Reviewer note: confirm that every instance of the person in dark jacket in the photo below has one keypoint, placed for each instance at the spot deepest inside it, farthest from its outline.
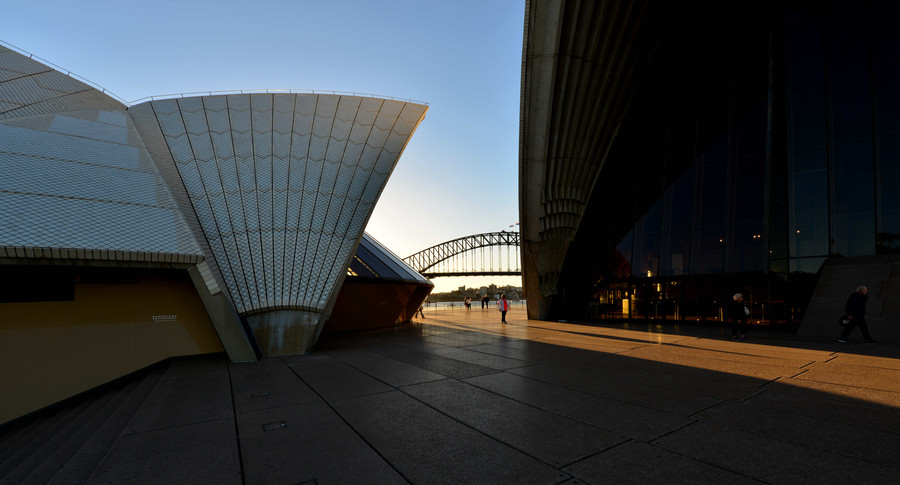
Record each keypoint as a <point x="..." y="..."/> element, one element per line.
<point x="856" y="312"/>
<point x="739" y="314"/>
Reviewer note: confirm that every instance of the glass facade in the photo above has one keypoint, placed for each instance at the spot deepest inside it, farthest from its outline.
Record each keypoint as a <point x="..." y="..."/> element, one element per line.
<point x="795" y="159"/>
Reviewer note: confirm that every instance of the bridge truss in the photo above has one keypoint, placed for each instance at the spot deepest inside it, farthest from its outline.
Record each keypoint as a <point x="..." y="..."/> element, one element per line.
<point x="489" y="254"/>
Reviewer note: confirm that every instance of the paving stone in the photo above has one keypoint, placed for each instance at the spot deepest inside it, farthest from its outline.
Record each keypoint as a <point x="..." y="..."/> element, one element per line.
<point x="614" y="382"/>
<point x="179" y="399"/>
<point x="194" y="453"/>
<point x="385" y="369"/>
<point x="769" y="459"/>
<point x="528" y="402"/>
<point x="426" y="446"/>
<point x="547" y="436"/>
<point x="640" y="463"/>
<point x="833" y="372"/>
<point x="440" y="365"/>
<point x="333" y="379"/>
<point x="815" y="432"/>
<point x="621" y="418"/>
<point x="313" y="445"/>
<point x="479" y="358"/>
<point x="267" y="384"/>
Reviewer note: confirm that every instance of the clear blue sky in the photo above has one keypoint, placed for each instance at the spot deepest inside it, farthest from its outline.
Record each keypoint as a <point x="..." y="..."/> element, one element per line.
<point x="459" y="173"/>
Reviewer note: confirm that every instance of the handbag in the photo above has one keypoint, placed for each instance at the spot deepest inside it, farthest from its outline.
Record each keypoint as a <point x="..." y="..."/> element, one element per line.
<point x="844" y="320"/>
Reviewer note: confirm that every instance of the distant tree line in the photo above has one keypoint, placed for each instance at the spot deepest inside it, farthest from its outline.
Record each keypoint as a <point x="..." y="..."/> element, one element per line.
<point x="493" y="291"/>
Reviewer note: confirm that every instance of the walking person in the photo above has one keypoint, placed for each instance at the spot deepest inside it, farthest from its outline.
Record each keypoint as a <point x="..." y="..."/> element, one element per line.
<point x="856" y="312"/>
<point x="419" y="311"/>
<point x="739" y="314"/>
<point x="503" y="306"/>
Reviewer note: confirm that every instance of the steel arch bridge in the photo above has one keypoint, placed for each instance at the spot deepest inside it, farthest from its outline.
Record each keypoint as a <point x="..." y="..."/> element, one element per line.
<point x="489" y="254"/>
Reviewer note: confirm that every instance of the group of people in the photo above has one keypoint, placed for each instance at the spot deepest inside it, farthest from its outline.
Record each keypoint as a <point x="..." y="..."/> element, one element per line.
<point x="855" y="312"/>
<point x="502" y="306"/>
<point x="739" y="313"/>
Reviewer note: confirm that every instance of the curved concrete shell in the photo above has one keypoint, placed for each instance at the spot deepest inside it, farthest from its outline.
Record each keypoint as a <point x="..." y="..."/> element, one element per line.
<point x="77" y="181"/>
<point x="129" y="235"/>
<point x="580" y="65"/>
<point x="29" y="88"/>
<point x="282" y="186"/>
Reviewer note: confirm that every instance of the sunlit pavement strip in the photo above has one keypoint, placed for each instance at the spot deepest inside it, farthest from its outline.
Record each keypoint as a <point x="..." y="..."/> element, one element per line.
<point x="457" y="397"/>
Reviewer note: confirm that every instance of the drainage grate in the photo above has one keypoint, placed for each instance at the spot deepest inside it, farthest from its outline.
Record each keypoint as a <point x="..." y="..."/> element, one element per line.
<point x="274" y="426"/>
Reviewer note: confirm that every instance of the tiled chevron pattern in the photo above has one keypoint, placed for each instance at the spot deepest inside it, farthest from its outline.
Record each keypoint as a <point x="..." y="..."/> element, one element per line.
<point x="82" y="186"/>
<point x="283" y="184"/>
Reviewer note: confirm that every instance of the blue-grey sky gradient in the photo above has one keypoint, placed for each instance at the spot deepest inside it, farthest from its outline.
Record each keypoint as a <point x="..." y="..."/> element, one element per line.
<point x="459" y="173"/>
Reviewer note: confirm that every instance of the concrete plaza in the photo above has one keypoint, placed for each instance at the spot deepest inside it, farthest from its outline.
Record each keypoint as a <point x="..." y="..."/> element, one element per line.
<point x="457" y="397"/>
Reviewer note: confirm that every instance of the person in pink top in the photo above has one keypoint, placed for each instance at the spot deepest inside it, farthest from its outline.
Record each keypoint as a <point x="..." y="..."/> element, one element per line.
<point x="503" y="306"/>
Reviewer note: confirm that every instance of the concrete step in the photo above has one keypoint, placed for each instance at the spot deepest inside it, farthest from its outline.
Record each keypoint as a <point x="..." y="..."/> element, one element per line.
<point x="48" y="432"/>
<point x="85" y="461"/>
<point x="14" y="435"/>
<point x="42" y="468"/>
<point x="43" y="446"/>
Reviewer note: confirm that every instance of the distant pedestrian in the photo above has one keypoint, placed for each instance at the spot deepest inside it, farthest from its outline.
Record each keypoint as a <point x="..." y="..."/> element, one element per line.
<point x="468" y="302"/>
<point x="856" y="312"/>
<point x="419" y="311"/>
<point x="739" y="315"/>
<point x="484" y="300"/>
<point x="503" y="306"/>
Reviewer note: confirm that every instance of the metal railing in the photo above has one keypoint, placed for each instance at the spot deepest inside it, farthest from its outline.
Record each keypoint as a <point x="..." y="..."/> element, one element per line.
<point x="199" y="93"/>
<point x="271" y="91"/>
<point x="64" y="71"/>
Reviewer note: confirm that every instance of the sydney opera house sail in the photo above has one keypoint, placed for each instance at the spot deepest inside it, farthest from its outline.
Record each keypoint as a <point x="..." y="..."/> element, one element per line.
<point x="282" y="186"/>
<point x="180" y="226"/>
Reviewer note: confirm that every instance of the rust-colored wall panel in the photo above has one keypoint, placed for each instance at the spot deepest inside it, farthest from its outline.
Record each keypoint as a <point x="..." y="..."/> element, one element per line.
<point x="369" y="303"/>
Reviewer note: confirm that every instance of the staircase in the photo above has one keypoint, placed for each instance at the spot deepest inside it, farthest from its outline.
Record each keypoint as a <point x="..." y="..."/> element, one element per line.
<point x="65" y="443"/>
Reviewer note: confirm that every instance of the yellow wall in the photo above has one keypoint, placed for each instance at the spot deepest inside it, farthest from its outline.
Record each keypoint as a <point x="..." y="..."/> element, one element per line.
<point x="53" y="350"/>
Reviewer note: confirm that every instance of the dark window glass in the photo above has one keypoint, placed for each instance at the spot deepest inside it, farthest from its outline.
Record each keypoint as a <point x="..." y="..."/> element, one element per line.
<point x="887" y="78"/>
<point x="853" y="176"/>
<point x="711" y="255"/>
<point x="33" y="283"/>
<point x="750" y="134"/>
<point x="807" y="123"/>
<point x="647" y="241"/>
<point x="712" y="197"/>
<point x="851" y="106"/>
<point x="748" y="193"/>
<point x="809" y="214"/>
<point x="854" y="233"/>
<point x="886" y="67"/>
<point x="807" y="139"/>
<point x="746" y="248"/>
<point x="806" y="265"/>
<point x="749" y="186"/>
<point x="675" y="259"/>
<point x="380" y="268"/>
<point x="847" y="37"/>
<point x="888" y="237"/>
<point x="806" y="55"/>
<point x="712" y="202"/>
<point x="620" y="263"/>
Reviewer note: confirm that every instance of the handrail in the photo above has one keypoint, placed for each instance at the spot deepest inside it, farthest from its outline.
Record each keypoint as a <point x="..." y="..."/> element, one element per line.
<point x="200" y="93"/>
<point x="65" y="71"/>
<point x="270" y="91"/>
